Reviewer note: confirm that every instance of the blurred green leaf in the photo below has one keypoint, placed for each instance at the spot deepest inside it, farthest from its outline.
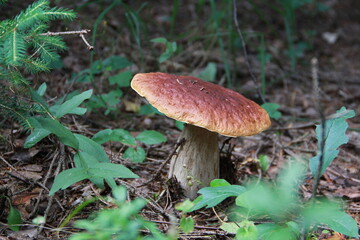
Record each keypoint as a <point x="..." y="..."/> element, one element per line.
<point x="208" y="73"/>
<point x="115" y="62"/>
<point x="42" y="89"/>
<point x="331" y="214"/>
<point x="264" y="162"/>
<point x="273" y="231"/>
<point x="271" y="109"/>
<point x="121" y="79"/>
<point x="170" y="48"/>
<point x="13" y="218"/>
<point x="135" y="155"/>
<point x="147" y="109"/>
<point x="151" y="137"/>
<point x="179" y="125"/>
<point x="184" y="206"/>
<point x="187" y="224"/>
<point x="247" y="231"/>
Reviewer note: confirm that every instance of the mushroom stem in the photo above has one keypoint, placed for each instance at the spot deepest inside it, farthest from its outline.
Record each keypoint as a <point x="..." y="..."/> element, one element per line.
<point x="197" y="160"/>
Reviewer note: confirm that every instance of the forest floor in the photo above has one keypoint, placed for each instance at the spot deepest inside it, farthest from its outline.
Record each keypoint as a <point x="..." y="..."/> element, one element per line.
<point x="331" y="36"/>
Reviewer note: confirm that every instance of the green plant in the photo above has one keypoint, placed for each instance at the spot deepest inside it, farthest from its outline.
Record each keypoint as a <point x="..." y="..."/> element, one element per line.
<point x="272" y="110"/>
<point x="288" y="11"/>
<point x="91" y="161"/>
<point x="134" y="152"/>
<point x="186" y="223"/>
<point x="107" y="69"/>
<point x="290" y="215"/>
<point x="122" y="222"/>
<point x="170" y="48"/>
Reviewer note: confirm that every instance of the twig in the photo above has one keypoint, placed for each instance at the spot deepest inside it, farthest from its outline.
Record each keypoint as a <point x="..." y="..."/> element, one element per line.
<point x="81" y="34"/>
<point x="245" y="52"/>
<point x="314" y="71"/>
<point x="150" y="201"/>
<point x="55" y="156"/>
<point x="47" y="210"/>
<point x="85" y="31"/>
<point x="7" y="163"/>
<point x="157" y="173"/>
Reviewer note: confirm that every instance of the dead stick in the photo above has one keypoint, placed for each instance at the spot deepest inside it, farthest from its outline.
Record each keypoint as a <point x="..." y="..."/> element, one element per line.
<point x="254" y="79"/>
<point x="81" y="34"/>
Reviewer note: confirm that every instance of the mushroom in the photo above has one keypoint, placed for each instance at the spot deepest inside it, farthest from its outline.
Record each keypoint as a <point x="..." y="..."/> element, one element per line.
<point x="207" y="109"/>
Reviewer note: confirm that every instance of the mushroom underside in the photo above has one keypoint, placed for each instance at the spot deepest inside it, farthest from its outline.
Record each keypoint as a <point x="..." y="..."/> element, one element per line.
<point x="196" y="162"/>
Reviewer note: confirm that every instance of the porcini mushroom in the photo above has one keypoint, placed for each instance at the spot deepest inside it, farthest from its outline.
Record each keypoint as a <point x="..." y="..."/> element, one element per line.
<point x="207" y="109"/>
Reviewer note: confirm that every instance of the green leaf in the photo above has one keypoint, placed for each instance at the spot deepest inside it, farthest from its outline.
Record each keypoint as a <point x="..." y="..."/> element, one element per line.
<point x="91" y="147"/>
<point x="68" y="177"/>
<point x="211" y="196"/>
<point x="36" y="136"/>
<point x="123" y="136"/>
<point x="272" y="110"/>
<point x="159" y="40"/>
<point x="122" y="79"/>
<point x="116" y="135"/>
<point x="65" y="135"/>
<point x="111" y="170"/>
<point x="147" y="109"/>
<point x="219" y="183"/>
<point x="335" y="130"/>
<point x="14" y="218"/>
<point x="136" y="156"/>
<point x="151" y="137"/>
<point x="71" y="104"/>
<point x="209" y="73"/>
<point x="187" y="224"/>
<point x="264" y="162"/>
<point x="180" y="125"/>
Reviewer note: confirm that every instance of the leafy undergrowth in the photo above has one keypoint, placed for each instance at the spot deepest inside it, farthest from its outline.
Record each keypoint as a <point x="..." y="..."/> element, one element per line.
<point x="193" y="38"/>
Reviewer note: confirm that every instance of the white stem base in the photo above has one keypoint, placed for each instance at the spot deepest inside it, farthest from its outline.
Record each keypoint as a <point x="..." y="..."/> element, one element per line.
<point x="197" y="160"/>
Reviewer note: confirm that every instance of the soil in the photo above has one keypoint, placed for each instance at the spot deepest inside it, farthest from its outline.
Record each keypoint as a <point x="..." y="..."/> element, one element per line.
<point x="330" y="37"/>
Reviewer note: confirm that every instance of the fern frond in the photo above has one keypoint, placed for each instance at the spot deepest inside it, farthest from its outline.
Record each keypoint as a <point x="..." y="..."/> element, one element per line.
<point x="16" y="78"/>
<point x="14" y="48"/>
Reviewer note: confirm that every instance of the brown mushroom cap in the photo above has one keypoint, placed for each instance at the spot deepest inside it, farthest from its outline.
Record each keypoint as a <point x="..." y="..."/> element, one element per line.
<point x="194" y="101"/>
